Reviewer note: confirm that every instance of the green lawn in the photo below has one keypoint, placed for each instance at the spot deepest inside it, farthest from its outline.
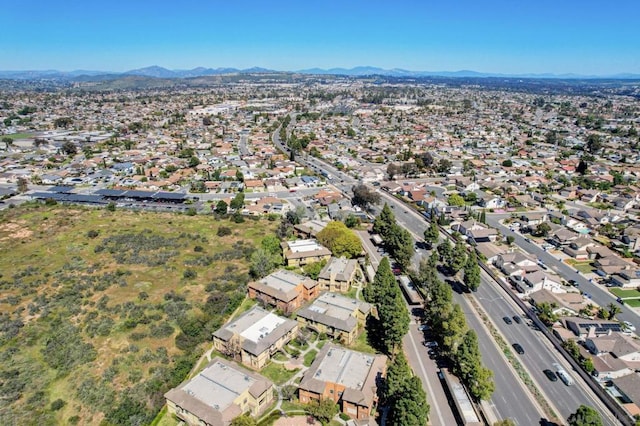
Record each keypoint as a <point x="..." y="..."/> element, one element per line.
<point x="277" y="373"/>
<point x="361" y="344"/>
<point x="309" y="357"/>
<point x="634" y="303"/>
<point x="624" y="293"/>
<point x="18" y="136"/>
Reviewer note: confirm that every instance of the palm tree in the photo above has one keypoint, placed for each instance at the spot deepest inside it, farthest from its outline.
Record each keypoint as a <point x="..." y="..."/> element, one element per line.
<point x="613" y="310"/>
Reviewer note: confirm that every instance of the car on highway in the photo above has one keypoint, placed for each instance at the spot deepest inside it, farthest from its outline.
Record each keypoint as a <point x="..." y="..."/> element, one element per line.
<point x="518" y="348"/>
<point x="507" y="320"/>
<point x="517" y="319"/>
<point x="550" y="375"/>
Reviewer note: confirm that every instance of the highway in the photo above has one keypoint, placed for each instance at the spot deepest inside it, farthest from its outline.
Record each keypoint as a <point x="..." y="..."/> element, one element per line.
<point x="539" y="353"/>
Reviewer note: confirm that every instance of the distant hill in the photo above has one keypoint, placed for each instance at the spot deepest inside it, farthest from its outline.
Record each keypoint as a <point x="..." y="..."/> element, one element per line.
<point x="156" y="71"/>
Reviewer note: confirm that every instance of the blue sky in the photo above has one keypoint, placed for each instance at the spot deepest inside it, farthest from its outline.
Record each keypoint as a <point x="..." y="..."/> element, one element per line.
<point x="498" y="36"/>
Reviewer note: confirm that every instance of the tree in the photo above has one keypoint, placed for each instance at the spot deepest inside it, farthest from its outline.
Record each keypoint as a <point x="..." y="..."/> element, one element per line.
<point x="397" y="373"/>
<point x="393" y="169"/>
<point x="507" y="163"/>
<point x="239" y="176"/>
<point x="384" y="222"/>
<point x="410" y="408"/>
<point x="193" y="161"/>
<point x="444" y="166"/>
<point x="400" y="244"/>
<point x="432" y="233"/>
<point x="582" y="167"/>
<point x="613" y="310"/>
<point x="62" y="122"/>
<point x="237" y="203"/>
<point x="341" y="240"/>
<point x="585" y="416"/>
<point x="455" y="200"/>
<point x="69" y="148"/>
<point x="543" y="229"/>
<point x="363" y="197"/>
<point x="445" y="250"/>
<point x="545" y="313"/>
<point x="510" y="239"/>
<point x="453" y="329"/>
<point x="324" y="411"/>
<point x="594" y="143"/>
<point x="261" y="264"/>
<point x="505" y="422"/>
<point x="468" y="366"/>
<point x="351" y="221"/>
<point x="483" y="386"/>
<point x="221" y="207"/>
<point x="384" y="278"/>
<point x="22" y="185"/>
<point x="458" y="257"/>
<point x="472" y="272"/>
<point x="244" y="420"/>
<point x="8" y="141"/>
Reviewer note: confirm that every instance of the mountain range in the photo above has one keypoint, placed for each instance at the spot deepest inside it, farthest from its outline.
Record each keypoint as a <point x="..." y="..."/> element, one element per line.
<point x="160" y="72"/>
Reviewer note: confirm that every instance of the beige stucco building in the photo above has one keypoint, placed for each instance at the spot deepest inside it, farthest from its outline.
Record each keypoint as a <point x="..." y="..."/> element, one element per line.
<point x="218" y="394"/>
<point x="254" y="337"/>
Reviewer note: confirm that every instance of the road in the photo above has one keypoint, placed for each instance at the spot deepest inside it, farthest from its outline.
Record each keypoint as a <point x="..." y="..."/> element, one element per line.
<point x="539" y="353"/>
<point x="599" y="294"/>
<point x="425" y="368"/>
<point x="510" y="399"/>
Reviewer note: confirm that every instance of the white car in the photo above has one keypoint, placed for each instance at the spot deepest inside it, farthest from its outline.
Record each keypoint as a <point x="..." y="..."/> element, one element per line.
<point x="629" y="326"/>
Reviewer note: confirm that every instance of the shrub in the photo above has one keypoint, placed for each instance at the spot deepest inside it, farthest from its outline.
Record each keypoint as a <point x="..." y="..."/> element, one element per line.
<point x="57" y="404"/>
<point x="198" y="249"/>
<point x="223" y="231"/>
<point x="189" y="274"/>
<point x="92" y="233"/>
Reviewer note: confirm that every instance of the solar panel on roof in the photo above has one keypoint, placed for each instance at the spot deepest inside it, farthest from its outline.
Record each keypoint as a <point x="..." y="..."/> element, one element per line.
<point x="169" y="195"/>
<point x="61" y="188"/>
<point x="138" y="194"/>
<point x="110" y="192"/>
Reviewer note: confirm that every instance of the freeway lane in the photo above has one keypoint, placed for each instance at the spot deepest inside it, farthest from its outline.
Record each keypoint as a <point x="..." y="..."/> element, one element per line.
<point x="510" y="399"/>
<point x="539" y="354"/>
<point x="598" y="292"/>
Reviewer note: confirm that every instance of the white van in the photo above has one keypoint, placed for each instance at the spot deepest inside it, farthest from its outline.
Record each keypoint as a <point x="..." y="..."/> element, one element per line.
<point x="564" y="376"/>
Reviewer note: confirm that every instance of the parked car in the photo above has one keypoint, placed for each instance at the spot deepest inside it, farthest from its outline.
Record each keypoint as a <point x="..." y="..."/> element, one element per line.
<point x="629" y="326"/>
<point x="431" y="344"/>
<point x="518" y="348"/>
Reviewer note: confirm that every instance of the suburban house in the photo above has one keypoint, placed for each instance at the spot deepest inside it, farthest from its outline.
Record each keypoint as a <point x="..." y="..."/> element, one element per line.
<point x="515" y="263"/>
<point x="628" y="278"/>
<point x="347" y="377"/>
<point x="585" y="327"/>
<point x="608" y="367"/>
<point x="563" y="303"/>
<point x="577" y="249"/>
<point x="623" y="347"/>
<point x="492" y="202"/>
<point x="285" y="290"/>
<point x="219" y="393"/>
<point x="629" y="389"/>
<point x="337" y="316"/>
<point x="538" y="280"/>
<point x="254" y="337"/>
<point x="339" y="274"/>
<point x="476" y="232"/>
<point x="563" y="237"/>
<point x="302" y="252"/>
<point x="310" y="228"/>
